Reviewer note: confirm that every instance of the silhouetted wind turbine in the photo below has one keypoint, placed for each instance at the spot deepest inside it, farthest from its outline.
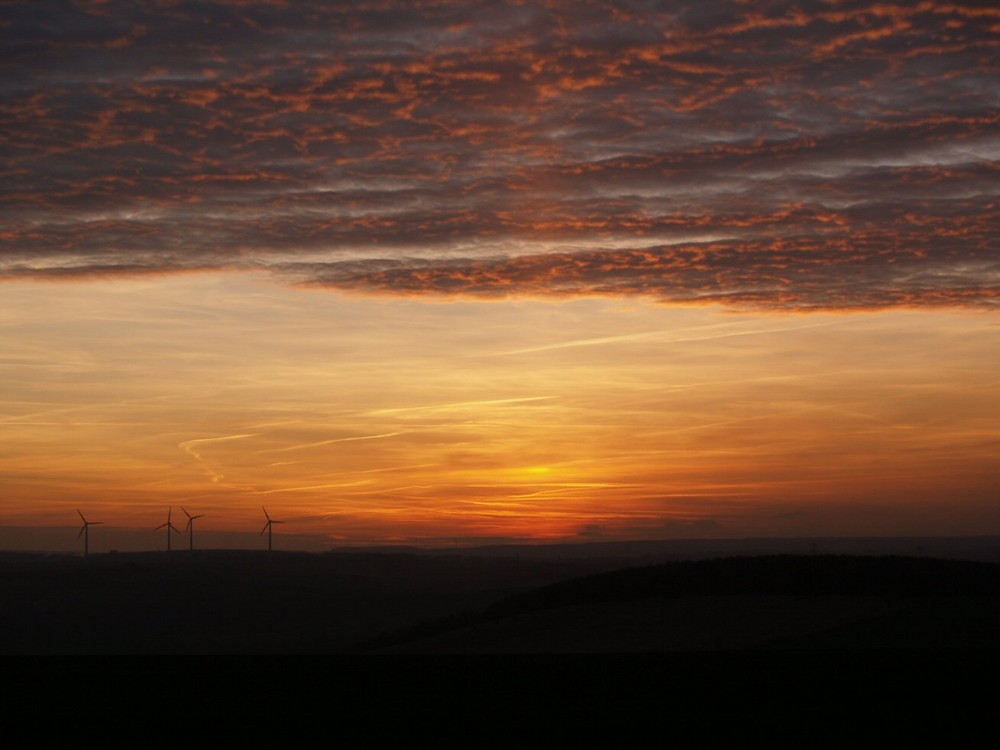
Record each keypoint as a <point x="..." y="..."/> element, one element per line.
<point x="267" y="527"/>
<point x="169" y="525"/>
<point x="85" y="532"/>
<point x="190" y="527"/>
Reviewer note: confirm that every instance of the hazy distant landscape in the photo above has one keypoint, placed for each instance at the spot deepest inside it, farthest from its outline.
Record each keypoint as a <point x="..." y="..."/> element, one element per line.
<point x="655" y="597"/>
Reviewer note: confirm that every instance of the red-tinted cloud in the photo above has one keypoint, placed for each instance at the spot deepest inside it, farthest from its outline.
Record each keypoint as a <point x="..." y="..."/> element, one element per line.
<point x="774" y="154"/>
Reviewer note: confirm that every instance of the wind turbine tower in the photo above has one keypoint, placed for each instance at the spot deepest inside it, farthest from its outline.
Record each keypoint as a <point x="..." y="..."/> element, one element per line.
<point x="85" y="532"/>
<point x="189" y="528"/>
<point x="169" y="526"/>
<point x="267" y="527"/>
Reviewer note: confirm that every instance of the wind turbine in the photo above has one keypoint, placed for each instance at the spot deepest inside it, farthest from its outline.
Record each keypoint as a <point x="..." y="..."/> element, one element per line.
<point x="85" y="532"/>
<point x="169" y="525"/>
<point x="189" y="528"/>
<point x="267" y="527"/>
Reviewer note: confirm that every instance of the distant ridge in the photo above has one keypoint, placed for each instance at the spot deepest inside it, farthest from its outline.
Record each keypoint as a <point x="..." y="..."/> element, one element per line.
<point x="783" y="601"/>
<point x="247" y="601"/>
<point x="984" y="547"/>
<point x="773" y="575"/>
<point x="53" y="540"/>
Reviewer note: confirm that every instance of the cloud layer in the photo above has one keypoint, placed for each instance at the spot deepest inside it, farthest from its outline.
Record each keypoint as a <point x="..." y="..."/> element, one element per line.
<point x="773" y="154"/>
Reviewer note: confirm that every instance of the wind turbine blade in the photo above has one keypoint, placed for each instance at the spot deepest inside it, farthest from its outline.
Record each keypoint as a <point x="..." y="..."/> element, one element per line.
<point x="81" y="515"/>
<point x="82" y="529"/>
<point x="188" y="524"/>
<point x="265" y="513"/>
<point x="169" y="511"/>
<point x="185" y="512"/>
<point x="159" y="527"/>
<point x="94" y="523"/>
<point x="266" y="525"/>
<point x="277" y="521"/>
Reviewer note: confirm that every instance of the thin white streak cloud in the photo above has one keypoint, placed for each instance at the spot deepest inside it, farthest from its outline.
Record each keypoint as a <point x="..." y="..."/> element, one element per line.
<point x="662" y="337"/>
<point x="319" y="443"/>
<point x="28" y="417"/>
<point x="458" y="405"/>
<point x="312" y="487"/>
<point x="188" y="446"/>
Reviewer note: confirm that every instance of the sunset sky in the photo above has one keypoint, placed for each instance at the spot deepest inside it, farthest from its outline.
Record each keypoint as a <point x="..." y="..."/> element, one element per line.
<point x="442" y="272"/>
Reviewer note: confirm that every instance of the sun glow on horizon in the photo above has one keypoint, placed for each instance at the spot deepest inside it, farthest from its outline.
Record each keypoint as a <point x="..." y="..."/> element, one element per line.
<point x="584" y="418"/>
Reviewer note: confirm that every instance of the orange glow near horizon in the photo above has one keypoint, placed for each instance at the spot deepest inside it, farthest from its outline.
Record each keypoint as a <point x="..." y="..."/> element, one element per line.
<point x="369" y="420"/>
<point x="448" y="273"/>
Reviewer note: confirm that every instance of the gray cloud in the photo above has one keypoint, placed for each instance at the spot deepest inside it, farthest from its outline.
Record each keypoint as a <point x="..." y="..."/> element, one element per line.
<point x="839" y="155"/>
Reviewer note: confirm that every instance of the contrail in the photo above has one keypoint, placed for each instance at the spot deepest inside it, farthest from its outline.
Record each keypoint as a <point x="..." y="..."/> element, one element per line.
<point x="314" y="487"/>
<point x="459" y="404"/>
<point x="654" y="334"/>
<point x="583" y="342"/>
<point x="328" y="442"/>
<point x="69" y="409"/>
<point x="188" y="447"/>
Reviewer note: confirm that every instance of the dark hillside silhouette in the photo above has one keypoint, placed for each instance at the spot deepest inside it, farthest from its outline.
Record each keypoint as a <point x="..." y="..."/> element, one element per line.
<point x="782" y="575"/>
<point x="239" y="601"/>
<point x="255" y="602"/>
<point x="781" y="601"/>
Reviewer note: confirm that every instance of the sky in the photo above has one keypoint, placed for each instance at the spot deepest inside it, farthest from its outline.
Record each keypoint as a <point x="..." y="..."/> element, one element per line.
<point x="453" y="272"/>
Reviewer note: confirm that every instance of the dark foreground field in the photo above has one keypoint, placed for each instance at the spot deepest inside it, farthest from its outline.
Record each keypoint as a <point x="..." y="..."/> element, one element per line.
<point x="773" y="602"/>
<point x="215" y="602"/>
<point x="814" y="650"/>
